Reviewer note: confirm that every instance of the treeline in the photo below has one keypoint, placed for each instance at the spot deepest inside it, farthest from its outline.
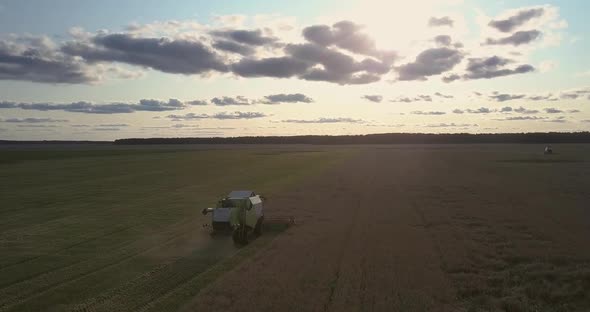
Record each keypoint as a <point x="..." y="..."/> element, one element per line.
<point x="388" y="138"/>
<point x="52" y="142"/>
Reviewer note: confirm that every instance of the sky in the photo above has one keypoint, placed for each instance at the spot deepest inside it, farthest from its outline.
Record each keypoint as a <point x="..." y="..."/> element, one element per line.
<point x="102" y="70"/>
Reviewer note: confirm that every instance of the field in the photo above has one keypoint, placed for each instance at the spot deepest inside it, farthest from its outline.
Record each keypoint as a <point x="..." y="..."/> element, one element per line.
<point x="379" y="228"/>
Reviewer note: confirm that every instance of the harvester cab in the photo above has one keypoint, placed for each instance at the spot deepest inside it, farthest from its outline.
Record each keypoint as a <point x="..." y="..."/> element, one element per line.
<point x="241" y="212"/>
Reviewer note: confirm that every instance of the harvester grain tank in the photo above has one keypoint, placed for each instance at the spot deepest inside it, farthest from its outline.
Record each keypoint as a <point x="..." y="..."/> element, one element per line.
<point x="240" y="211"/>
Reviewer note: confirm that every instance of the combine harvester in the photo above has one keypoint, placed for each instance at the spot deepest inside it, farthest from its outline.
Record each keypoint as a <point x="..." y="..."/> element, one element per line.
<point x="242" y="212"/>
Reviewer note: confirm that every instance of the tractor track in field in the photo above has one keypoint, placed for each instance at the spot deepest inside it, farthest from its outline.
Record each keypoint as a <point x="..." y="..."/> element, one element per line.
<point x="356" y="249"/>
<point x="31" y="293"/>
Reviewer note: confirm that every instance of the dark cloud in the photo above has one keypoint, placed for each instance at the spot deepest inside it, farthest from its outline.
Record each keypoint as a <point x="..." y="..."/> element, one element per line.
<point x="522" y="110"/>
<point x="492" y="67"/>
<point x="513" y="22"/>
<point x="335" y="66"/>
<point x="226" y="100"/>
<point x="35" y="59"/>
<point x="348" y="36"/>
<point x="551" y="110"/>
<point x="440" y="21"/>
<point x="503" y="97"/>
<point x="458" y="111"/>
<point x="506" y="109"/>
<point x="481" y="110"/>
<point x="429" y="63"/>
<point x="286" y="98"/>
<point x="324" y="120"/>
<point x="451" y="78"/>
<point x="220" y="116"/>
<point x="516" y="39"/>
<point x="111" y="108"/>
<point x="33" y="120"/>
<point x="574" y="111"/>
<point x="443" y="95"/>
<point x="373" y="98"/>
<point x="443" y="40"/>
<point x="197" y="102"/>
<point x="433" y="113"/>
<point x="247" y="37"/>
<point x="164" y="54"/>
<point x="233" y="47"/>
<point x="277" y="67"/>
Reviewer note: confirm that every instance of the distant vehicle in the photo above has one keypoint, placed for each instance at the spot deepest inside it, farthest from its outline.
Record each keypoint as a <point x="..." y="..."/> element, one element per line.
<point x="240" y="211"/>
<point x="548" y="150"/>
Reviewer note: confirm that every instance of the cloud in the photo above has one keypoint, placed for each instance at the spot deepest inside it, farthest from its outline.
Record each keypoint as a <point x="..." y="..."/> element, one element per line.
<point x="335" y="66"/>
<point x="36" y="59"/>
<point x="522" y="110"/>
<point x="113" y="125"/>
<point x="451" y="125"/>
<point x="106" y="129"/>
<point x="323" y="120"/>
<point x="521" y="118"/>
<point x="177" y="56"/>
<point x="197" y="102"/>
<point x="440" y="21"/>
<point x="320" y="60"/>
<point x="37" y="126"/>
<point x="110" y="108"/>
<point x="574" y="111"/>
<point x="575" y="94"/>
<point x="443" y="40"/>
<point x="418" y="98"/>
<point x="33" y="120"/>
<point x="286" y="98"/>
<point x="503" y="97"/>
<point x="233" y="47"/>
<point x="481" y="110"/>
<point x="552" y="110"/>
<point x="451" y="78"/>
<point x="431" y="113"/>
<point x="348" y="36"/>
<point x="246" y="37"/>
<point x="430" y="62"/>
<point x="520" y="18"/>
<point x="443" y="95"/>
<point x="560" y="119"/>
<point x="458" y="111"/>
<point x="373" y="98"/>
<point x="492" y="67"/>
<point x="219" y="116"/>
<point x="516" y="39"/>
<point x="226" y="100"/>
<point x="548" y="97"/>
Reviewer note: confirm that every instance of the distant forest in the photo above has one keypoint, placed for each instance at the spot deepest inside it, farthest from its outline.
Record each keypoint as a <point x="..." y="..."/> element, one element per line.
<point x="387" y="138"/>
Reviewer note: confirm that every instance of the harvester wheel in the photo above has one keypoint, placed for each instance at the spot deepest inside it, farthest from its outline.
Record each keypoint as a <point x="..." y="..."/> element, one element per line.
<point x="240" y="235"/>
<point x="258" y="227"/>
